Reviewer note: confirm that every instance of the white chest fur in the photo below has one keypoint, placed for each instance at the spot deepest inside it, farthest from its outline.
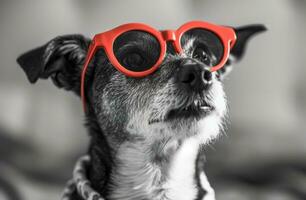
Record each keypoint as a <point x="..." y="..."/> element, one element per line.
<point x="137" y="178"/>
<point x="181" y="184"/>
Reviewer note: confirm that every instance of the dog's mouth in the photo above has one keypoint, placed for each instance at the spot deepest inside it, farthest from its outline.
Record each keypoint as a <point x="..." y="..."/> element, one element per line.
<point x="197" y="109"/>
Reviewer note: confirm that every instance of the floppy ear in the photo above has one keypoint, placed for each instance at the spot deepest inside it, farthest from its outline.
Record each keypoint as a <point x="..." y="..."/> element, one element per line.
<point x="243" y="34"/>
<point x="61" y="59"/>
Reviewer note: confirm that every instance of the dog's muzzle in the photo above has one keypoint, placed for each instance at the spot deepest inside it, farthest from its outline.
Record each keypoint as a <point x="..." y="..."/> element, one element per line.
<point x="194" y="79"/>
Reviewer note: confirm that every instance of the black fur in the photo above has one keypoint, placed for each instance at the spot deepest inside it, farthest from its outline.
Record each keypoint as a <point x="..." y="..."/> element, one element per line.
<point x="244" y="33"/>
<point x="61" y="59"/>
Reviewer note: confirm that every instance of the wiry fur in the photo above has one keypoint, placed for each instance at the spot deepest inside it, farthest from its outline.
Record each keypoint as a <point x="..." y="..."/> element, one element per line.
<point x="148" y="162"/>
<point x="136" y="151"/>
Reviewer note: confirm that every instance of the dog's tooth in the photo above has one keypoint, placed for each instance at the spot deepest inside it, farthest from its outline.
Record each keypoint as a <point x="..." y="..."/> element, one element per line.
<point x="205" y="108"/>
<point x="152" y="121"/>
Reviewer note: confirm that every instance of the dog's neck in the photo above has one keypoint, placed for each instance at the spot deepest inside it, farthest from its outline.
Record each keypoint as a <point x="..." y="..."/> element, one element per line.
<point x="155" y="171"/>
<point x="138" y="169"/>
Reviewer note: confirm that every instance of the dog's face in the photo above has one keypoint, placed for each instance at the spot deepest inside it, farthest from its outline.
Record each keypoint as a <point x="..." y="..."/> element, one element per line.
<point x="178" y="100"/>
<point x="181" y="99"/>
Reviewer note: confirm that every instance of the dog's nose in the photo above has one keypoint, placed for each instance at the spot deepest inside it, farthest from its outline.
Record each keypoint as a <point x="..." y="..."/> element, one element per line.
<point x="194" y="75"/>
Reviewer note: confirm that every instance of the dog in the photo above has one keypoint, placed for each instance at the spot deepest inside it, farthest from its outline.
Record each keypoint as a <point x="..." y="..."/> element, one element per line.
<point x="146" y="134"/>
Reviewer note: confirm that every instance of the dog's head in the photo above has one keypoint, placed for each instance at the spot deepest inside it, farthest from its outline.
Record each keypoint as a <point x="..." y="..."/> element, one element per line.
<point x="181" y="99"/>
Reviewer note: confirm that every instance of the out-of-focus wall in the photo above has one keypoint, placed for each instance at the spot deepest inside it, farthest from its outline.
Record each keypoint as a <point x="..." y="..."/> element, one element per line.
<point x="266" y="90"/>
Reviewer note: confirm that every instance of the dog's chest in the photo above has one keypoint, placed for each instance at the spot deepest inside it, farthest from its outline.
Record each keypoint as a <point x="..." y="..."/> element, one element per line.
<point x="185" y="181"/>
<point x="181" y="183"/>
<point x="136" y="177"/>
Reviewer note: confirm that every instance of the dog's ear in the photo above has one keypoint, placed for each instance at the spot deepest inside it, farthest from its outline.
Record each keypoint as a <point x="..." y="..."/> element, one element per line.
<point x="61" y="59"/>
<point x="243" y="34"/>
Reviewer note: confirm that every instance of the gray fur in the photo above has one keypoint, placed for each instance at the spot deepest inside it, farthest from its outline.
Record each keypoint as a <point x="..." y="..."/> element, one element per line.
<point x="135" y="110"/>
<point x="137" y="151"/>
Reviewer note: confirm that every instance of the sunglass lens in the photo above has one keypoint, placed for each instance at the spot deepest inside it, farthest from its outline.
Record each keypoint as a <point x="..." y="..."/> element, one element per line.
<point x="137" y="50"/>
<point x="203" y="45"/>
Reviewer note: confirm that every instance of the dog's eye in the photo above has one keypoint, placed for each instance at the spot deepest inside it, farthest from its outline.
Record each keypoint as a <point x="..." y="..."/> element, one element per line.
<point x="203" y="43"/>
<point x="201" y="53"/>
<point x="134" y="60"/>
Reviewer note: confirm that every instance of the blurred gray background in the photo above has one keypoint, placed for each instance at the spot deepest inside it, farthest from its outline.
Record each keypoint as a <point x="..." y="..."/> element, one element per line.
<point x="263" y="155"/>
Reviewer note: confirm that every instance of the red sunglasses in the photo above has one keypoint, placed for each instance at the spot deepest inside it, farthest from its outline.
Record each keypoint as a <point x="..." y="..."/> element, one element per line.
<point x="109" y="41"/>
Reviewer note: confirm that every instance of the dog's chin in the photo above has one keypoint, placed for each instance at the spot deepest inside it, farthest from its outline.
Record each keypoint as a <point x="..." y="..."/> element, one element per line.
<point x="199" y="118"/>
<point x="194" y="111"/>
<point x="202" y="121"/>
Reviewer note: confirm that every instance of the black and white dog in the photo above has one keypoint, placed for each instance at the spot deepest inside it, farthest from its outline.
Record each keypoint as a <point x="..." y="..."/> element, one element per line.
<point x="146" y="133"/>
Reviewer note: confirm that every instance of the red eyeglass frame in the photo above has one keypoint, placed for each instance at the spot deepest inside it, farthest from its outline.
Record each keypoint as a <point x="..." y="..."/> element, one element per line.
<point x="106" y="40"/>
